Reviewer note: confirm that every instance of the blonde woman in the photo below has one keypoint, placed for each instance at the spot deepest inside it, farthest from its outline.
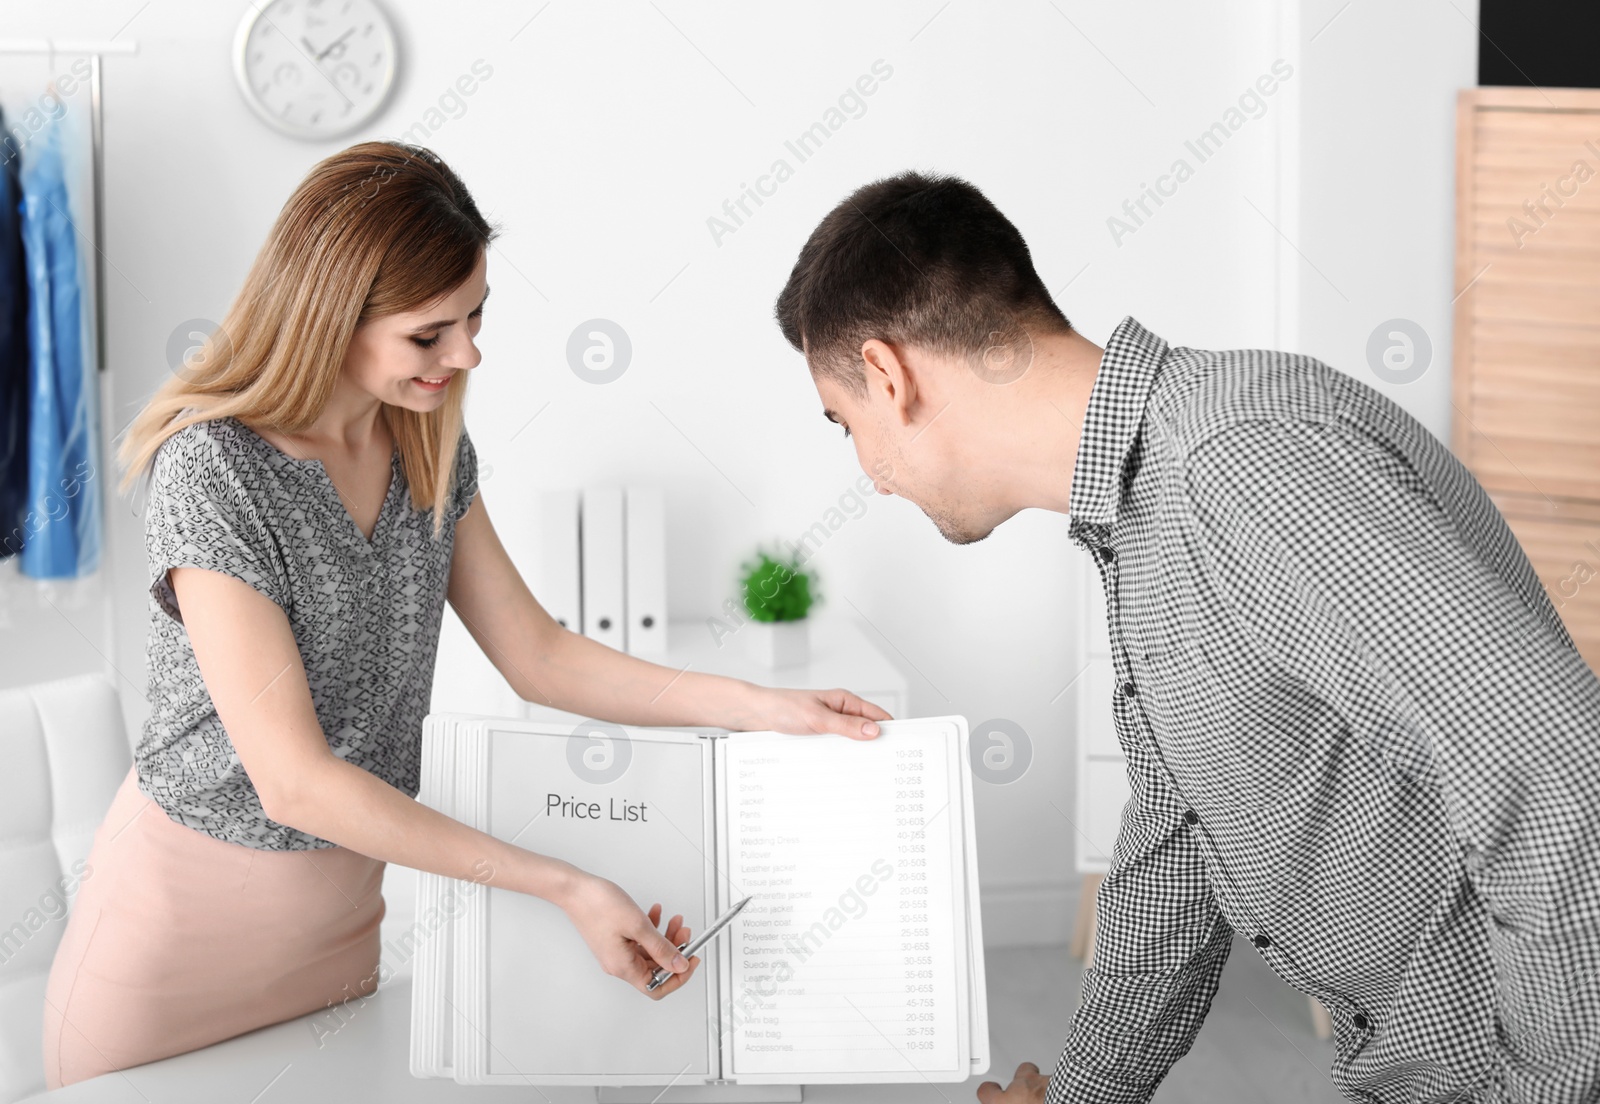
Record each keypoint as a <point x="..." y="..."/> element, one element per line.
<point x="312" y="503"/>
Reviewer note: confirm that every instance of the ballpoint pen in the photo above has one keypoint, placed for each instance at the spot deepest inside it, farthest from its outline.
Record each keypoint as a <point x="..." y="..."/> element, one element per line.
<point x="693" y="945"/>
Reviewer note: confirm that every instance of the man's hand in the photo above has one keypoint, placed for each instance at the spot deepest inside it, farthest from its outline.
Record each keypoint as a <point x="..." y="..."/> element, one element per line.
<point x="1027" y="1087"/>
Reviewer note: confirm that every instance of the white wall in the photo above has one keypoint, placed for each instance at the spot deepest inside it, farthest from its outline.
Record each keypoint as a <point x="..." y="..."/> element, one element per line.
<point x="1376" y="175"/>
<point x="608" y="134"/>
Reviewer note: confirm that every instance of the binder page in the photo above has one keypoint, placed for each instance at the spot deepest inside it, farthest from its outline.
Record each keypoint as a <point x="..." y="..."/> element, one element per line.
<point x="977" y="984"/>
<point x="631" y="806"/>
<point x="430" y="936"/>
<point x="850" y="963"/>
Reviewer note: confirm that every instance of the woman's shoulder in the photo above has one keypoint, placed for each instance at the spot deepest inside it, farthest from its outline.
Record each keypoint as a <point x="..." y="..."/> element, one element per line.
<point x="464" y="478"/>
<point x="206" y="435"/>
<point x="211" y="451"/>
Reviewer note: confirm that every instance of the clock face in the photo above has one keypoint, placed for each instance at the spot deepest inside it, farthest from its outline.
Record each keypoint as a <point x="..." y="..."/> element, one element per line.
<point x="315" y="68"/>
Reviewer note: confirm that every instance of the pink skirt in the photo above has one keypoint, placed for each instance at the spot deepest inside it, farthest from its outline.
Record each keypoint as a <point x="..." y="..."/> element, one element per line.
<point x="178" y="940"/>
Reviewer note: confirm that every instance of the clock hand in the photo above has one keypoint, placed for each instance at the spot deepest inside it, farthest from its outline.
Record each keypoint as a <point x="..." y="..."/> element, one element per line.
<point x="338" y="42"/>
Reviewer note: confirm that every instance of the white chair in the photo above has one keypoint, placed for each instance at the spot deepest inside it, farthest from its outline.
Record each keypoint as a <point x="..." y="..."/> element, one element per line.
<point x="65" y="750"/>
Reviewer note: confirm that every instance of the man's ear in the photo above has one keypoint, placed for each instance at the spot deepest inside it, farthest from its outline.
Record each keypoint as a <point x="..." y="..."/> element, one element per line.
<point x="889" y="379"/>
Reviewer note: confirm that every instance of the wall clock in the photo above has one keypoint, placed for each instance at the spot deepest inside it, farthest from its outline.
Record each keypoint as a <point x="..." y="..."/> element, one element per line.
<point x="315" y="69"/>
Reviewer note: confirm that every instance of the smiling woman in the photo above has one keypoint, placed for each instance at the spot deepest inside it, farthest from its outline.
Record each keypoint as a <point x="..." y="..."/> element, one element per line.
<point x="313" y="503"/>
<point x="327" y="274"/>
<point x="279" y="528"/>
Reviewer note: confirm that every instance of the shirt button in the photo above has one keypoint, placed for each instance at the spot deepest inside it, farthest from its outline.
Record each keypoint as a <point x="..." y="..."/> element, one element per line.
<point x="1107" y="554"/>
<point x="1360" y="1021"/>
<point x="1191" y="816"/>
<point x="1265" y="941"/>
<point x="1129" y="690"/>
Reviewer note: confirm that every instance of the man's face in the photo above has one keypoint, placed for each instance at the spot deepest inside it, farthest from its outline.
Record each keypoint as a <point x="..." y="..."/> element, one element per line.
<point x="918" y="461"/>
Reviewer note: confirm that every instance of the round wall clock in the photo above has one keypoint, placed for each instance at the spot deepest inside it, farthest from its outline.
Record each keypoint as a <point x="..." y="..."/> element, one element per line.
<point x="315" y="69"/>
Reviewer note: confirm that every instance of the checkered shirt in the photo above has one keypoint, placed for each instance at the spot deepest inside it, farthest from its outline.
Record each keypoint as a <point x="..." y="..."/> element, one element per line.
<point x="1357" y="732"/>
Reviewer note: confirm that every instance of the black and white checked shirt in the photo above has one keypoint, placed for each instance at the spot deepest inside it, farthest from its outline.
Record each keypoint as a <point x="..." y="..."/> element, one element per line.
<point x="1357" y="732"/>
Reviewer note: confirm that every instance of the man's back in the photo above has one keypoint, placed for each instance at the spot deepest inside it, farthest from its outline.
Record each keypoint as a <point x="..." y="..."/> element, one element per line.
<point x="1357" y="731"/>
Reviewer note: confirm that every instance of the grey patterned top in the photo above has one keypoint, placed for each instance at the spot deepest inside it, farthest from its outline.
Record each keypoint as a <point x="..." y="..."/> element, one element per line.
<point x="365" y="614"/>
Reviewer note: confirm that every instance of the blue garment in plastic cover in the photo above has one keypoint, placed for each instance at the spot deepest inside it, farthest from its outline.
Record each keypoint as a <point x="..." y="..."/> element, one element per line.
<point x="64" y="516"/>
<point x="15" y="369"/>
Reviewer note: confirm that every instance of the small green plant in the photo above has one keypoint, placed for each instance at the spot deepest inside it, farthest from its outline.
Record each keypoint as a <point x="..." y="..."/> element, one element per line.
<point x="775" y="590"/>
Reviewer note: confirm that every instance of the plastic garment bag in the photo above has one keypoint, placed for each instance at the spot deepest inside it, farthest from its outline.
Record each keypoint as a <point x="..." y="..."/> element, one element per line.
<point x="63" y="512"/>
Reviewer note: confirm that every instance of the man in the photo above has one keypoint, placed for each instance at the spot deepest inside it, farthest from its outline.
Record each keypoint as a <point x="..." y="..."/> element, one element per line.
<point x="1357" y="732"/>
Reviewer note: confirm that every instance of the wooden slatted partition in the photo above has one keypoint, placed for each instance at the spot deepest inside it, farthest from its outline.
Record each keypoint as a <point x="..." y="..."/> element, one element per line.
<point x="1526" y="345"/>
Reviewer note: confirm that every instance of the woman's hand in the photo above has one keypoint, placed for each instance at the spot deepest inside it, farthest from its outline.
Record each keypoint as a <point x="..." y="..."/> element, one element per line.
<point x="811" y="712"/>
<point x="623" y="940"/>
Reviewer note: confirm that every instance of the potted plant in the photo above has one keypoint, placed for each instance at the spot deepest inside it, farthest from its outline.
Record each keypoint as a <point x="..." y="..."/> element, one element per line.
<point x="777" y="595"/>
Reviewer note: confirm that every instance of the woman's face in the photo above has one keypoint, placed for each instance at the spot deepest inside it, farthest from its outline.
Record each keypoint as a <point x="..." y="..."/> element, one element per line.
<point x="409" y="359"/>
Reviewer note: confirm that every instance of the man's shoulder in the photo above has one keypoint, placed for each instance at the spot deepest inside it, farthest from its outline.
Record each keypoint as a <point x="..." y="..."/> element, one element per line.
<point x="1205" y="392"/>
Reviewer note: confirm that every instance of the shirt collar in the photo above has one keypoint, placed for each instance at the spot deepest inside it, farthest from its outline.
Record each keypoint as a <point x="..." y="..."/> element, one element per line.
<point x="1129" y="365"/>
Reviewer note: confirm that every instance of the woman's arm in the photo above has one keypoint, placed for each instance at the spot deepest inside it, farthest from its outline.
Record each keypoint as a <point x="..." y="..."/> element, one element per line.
<point x="251" y="665"/>
<point x="547" y="664"/>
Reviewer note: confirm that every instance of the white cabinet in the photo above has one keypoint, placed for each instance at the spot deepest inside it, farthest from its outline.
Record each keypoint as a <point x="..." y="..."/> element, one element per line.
<point x="1102" y="771"/>
<point x="842" y="655"/>
<point x="1097" y="736"/>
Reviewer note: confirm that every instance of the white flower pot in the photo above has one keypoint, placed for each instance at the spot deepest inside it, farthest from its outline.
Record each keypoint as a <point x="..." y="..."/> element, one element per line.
<point x="778" y="643"/>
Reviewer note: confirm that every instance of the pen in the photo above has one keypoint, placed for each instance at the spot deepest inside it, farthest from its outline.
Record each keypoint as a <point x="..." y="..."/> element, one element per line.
<point x="693" y="945"/>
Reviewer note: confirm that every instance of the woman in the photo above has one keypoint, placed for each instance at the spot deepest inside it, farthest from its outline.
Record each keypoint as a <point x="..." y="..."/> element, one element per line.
<point x="313" y="501"/>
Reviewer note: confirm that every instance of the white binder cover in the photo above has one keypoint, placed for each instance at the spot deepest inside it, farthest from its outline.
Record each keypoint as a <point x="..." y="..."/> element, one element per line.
<point x="555" y="578"/>
<point x="604" y="615"/>
<point x="859" y="959"/>
<point x="646" y="597"/>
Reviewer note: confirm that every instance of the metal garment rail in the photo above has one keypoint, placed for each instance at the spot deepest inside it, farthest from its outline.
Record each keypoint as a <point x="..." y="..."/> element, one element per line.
<point x="94" y="50"/>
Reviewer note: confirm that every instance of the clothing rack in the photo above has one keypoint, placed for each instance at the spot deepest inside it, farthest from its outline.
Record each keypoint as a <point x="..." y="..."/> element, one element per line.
<point x="95" y="50"/>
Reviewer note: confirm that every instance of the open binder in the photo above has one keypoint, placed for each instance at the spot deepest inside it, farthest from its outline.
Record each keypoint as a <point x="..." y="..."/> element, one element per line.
<point x="859" y="958"/>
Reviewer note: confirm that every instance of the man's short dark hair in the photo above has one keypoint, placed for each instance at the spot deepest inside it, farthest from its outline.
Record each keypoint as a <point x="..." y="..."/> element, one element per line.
<point x="914" y="259"/>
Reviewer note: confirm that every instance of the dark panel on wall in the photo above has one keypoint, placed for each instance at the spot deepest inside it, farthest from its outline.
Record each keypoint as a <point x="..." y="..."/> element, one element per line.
<point x="1549" y="43"/>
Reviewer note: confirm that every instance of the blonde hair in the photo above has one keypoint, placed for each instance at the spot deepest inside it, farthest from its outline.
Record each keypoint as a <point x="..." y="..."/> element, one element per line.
<point x="376" y="229"/>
